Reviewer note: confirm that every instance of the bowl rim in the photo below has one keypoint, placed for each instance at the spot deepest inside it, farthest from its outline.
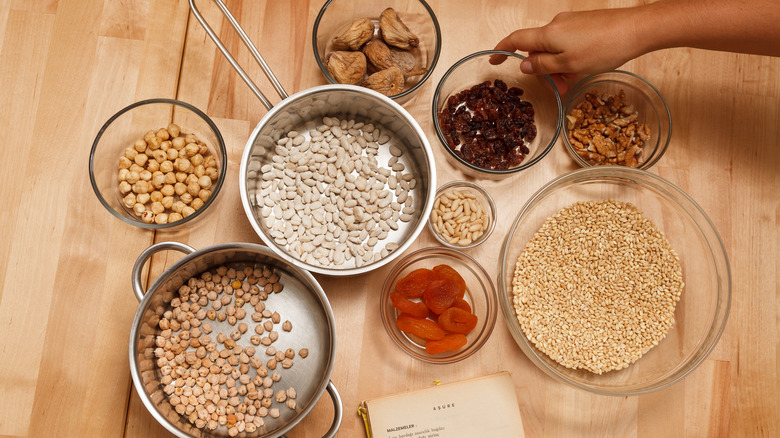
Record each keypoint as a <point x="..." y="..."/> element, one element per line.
<point x="523" y="166"/>
<point x="220" y="146"/>
<point x="627" y="174"/>
<point x="588" y="81"/>
<point x="490" y="297"/>
<point x="491" y="208"/>
<point x="402" y="95"/>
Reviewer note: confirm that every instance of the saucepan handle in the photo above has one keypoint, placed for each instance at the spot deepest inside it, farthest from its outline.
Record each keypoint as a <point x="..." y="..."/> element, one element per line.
<point x="138" y="288"/>
<point x="232" y="60"/>
<point x="338" y="410"/>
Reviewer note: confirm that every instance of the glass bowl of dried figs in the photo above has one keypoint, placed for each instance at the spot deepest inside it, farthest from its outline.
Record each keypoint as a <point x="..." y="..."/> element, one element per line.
<point x="492" y="120"/>
<point x="616" y="118"/>
<point x="390" y="47"/>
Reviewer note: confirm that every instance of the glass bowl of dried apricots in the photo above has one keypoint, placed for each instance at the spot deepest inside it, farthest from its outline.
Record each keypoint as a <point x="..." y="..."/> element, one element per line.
<point x="439" y="305"/>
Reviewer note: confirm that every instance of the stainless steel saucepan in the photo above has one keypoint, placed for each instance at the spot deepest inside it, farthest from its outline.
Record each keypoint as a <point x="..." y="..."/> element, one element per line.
<point x="303" y="112"/>
<point x="302" y="301"/>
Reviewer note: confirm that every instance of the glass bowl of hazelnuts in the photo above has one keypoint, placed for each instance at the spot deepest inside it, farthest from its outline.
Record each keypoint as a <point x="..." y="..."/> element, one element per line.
<point x="387" y="46"/>
<point x="158" y="163"/>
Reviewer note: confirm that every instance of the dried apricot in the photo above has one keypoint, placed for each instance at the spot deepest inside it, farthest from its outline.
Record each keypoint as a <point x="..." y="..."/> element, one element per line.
<point x="456" y="320"/>
<point x="460" y="303"/>
<point x="439" y="295"/>
<point x="415" y="308"/>
<point x="449" y="342"/>
<point x="412" y="285"/>
<point x="420" y="327"/>
<point x="447" y="272"/>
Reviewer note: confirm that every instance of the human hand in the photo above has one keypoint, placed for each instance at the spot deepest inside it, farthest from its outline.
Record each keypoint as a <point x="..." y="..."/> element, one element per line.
<point x="576" y="42"/>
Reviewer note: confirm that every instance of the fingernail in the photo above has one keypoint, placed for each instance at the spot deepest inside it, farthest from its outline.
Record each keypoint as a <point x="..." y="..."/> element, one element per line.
<point x="527" y="67"/>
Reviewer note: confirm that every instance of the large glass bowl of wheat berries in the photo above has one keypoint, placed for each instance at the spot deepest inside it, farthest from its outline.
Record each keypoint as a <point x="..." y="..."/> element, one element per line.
<point x="614" y="280"/>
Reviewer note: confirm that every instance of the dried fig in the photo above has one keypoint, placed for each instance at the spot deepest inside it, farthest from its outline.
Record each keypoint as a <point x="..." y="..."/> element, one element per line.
<point x="347" y="67"/>
<point x="395" y="32"/>
<point x="378" y="54"/>
<point x="360" y="31"/>
<point x="406" y="63"/>
<point x="389" y="81"/>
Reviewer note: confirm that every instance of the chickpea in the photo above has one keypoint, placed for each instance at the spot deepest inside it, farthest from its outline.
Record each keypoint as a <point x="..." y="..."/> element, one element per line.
<point x="153" y="165"/>
<point x="160" y="156"/>
<point x="140" y="159"/>
<point x="147" y="216"/>
<point x="167" y="202"/>
<point x="166" y="165"/>
<point x="191" y="149"/>
<point x="131" y="153"/>
<point x="157" y="208"/>
<point x="132" y="177"/>
<point x="129" y="200"/>
<point x="174" y="129"/>
<point x="125" y="187"/>
<point x="141" y="187"/>
<point x="154" y="142"/>
<point x="193" y="188"/>
<point x="197" y="160"/>
<point x="205" y="182"/>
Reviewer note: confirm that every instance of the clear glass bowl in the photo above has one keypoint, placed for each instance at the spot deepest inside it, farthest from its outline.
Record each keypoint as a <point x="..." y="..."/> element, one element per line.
<point x="650" y="106"/>
<point x="540" y="91"/>
<point x="130" y="124"/>
<point x="482" y="196"/>
<point x="701" y="313"/>
<point x="336" y="16"/>
<point x="480" y="294"/>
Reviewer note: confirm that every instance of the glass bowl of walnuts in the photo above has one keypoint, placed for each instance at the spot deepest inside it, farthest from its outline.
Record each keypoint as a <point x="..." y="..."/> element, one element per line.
<point x="492" y="120"/>
<point x="616" y="118"/>
<point x="390" y="47"/>
<point x="158" y="163"/>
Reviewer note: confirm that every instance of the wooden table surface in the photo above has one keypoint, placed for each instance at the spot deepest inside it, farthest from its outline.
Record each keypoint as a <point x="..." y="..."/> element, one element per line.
<point x="66" y="305"/>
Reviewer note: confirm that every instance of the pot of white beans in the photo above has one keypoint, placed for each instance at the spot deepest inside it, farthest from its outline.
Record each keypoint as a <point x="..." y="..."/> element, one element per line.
<point x="231" y="341"/>
<point x="335" y="179"/>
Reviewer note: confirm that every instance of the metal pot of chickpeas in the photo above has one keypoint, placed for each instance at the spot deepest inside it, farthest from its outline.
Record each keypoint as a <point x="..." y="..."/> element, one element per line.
<point x="231" y="340"/>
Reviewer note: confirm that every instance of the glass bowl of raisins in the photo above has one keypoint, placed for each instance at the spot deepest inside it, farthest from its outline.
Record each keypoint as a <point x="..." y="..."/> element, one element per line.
<point x="492" y="119"/>
<point x="438" y="305"/>
<point x="616" y="118"/>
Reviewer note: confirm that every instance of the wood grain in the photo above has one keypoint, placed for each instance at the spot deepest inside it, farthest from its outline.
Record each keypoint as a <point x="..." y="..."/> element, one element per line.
<point x="66" y="304"/>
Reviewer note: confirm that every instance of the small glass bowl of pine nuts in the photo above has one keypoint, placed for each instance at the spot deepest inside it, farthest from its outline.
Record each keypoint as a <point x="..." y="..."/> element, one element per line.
<point x="463" y="215"/>
<point x="158" y="163"/>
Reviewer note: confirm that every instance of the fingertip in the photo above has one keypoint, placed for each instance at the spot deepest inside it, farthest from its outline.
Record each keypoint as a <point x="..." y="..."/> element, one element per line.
<point x="527" y="67"/>
<point x="496" y="59"/>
